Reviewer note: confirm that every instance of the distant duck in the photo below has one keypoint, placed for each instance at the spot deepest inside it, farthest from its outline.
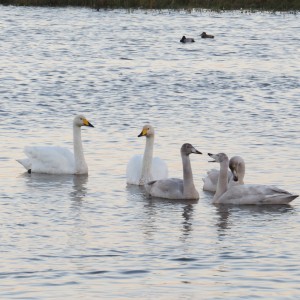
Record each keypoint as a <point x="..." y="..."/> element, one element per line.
<point x="187" y="40"/>
<point x="204" y="35"/>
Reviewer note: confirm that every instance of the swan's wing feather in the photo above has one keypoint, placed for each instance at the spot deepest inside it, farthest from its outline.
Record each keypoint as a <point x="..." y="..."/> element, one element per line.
<point x="171" y="188"/>
<point x="50" y="160"/>
<point x="256" y="194"/>
<point x="159" y="169"/>
<point x="211" y="180"/>
<point x="134" y="169"/>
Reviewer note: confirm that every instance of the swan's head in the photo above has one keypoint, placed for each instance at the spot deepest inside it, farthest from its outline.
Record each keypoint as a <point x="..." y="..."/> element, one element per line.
<point x="220" y="157"/>
<point x="147" y="131"/>
<point x="237" y="168"/>
<point x="81" y="121"/>
<point x="187" y="149"/>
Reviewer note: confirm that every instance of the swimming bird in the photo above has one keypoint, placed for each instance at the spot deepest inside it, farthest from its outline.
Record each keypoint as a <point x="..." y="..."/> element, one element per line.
<point x="144" y="168"/>
<point x="175" y="188"/>
<point x="204" y="35"/>
<point x="187" y="40"/>
<point x="58" y="160"/>
<point x="247" y="193"/>
<point x="235" y="175"/>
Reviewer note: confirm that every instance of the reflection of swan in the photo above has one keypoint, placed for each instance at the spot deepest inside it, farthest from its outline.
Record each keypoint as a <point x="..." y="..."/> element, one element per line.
<point x="144" y="168"/>
<point x="79" y="187"/>
<point x="174" y="188"/>
<point x="58" y="160"/>
<point x="246" y="194"/>
<point x="236" y="176"/>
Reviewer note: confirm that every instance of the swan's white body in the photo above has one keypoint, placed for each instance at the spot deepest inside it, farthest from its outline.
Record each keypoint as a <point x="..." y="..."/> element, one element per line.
<point x="246" y="194"/>
<point x="144" y="168"/>
<point x="58" y="160"/>
<point x="175" y="188"/>
<point x="235" y="177"/>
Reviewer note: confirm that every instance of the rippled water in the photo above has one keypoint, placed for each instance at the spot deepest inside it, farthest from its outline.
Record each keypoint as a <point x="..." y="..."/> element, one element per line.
<point x="95" y="238"/>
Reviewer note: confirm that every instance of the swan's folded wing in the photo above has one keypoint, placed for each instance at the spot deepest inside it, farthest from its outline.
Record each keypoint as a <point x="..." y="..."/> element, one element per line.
<point x="256" y="194"/>
<point x="171" y="188"/>
<point x="50" y="160"/>
<point x="134" y="169"/>
<point x="211" y="180"/>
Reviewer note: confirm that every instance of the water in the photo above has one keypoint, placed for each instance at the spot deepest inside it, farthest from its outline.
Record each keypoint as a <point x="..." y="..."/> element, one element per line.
<point x="68" y="237"/>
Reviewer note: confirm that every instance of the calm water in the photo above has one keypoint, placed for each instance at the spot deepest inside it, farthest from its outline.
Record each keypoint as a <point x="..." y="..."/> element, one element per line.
<point x="68" y="237"/>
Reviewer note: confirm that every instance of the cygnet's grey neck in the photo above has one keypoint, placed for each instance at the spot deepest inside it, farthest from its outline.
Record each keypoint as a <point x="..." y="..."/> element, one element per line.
<point x="147" y="160"/>
<point x="189" y="189"/>
<point x="222" y="184"/>
<point x="80" y="164"/>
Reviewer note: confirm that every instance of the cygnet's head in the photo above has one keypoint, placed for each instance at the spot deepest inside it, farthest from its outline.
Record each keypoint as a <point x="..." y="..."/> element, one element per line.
<point x="147" y="131"/>
<point x="220" y="157"/>
<point x="237" y="167"/>
<point x="81" y="120"/>
<point x="187" y="149"/>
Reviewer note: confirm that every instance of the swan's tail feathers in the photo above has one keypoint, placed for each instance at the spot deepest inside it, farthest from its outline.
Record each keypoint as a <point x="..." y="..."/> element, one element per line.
<point x="148" y="187"/>
<point x="280" y="197"/>
<point x="25" y="162"/>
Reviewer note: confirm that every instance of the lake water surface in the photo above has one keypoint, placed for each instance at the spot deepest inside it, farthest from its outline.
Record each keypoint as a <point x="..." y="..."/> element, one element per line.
<point x="79" y="237"/>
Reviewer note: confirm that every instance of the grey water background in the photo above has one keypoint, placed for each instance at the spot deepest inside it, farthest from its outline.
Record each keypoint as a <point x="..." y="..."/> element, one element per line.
<point x="93" y="237"/>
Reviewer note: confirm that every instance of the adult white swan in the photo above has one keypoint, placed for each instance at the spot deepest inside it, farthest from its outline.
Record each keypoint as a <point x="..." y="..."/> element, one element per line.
<point x="144" y="168"/>
<point x="247" y="193"/>
<point x="175" y="188"/>
<point x="58" y="160"/>
<point x="236" y="176"/>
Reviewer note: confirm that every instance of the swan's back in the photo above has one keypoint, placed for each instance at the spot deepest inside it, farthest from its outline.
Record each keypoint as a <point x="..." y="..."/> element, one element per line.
<point x="171" y="188"/>
<point x="159" y="169"/>
<point x="256" y="194"/>
<point x="50" y="160"/>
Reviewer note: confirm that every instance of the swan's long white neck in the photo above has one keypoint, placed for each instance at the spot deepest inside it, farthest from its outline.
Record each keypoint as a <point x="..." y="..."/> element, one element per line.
<point x="80" y="164"/>
<point x="147" y="160"/>
<point x="189" y="189"/>
<point x="222" y="185"/>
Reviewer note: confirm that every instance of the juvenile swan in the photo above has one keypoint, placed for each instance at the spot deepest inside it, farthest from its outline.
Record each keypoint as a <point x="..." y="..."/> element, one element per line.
<point x="174" y="188"/>
<point x="58" y="160"/>
<point x="144" y="168"/>
<point x="236" y="176"/>
<point x="248" y="193"/>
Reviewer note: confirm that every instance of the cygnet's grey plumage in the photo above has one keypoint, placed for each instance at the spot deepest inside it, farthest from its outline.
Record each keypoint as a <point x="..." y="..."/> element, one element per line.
<point x="235" y="175"/>
<point x="247" y="193"/>
<point x="175" y="188"/>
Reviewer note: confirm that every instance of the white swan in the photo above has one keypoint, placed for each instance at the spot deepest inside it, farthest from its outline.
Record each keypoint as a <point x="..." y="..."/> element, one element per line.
<point x="144" y="168"/>
<point x="236" y="176"/>
<point x="58" y="160"/>
<point x="174" y="188"/>
<point x="247" y="193"/>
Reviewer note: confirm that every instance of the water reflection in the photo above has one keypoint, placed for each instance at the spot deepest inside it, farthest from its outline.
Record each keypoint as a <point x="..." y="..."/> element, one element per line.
<point x="79" y="188"/>
<point x="226" y="212"/>
<point x="153" y="208"/>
